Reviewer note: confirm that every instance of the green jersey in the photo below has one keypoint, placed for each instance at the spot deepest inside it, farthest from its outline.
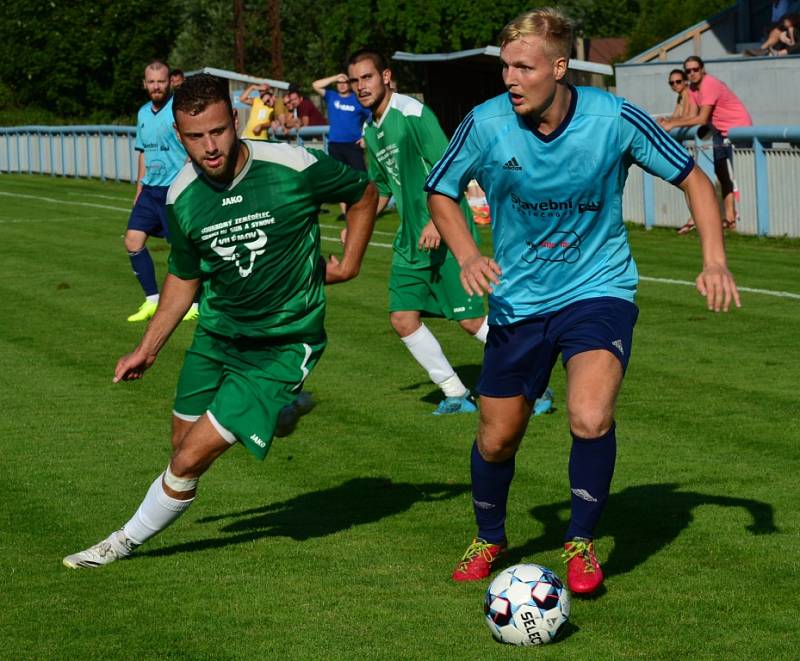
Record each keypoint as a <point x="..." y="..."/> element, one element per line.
<point x="255" y="243"/>
<point x="402" y="148"/>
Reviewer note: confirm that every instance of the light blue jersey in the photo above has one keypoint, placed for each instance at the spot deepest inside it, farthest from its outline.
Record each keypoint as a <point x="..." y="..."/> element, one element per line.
<point x="164" y="155"/>
<point x="556" y="200"/>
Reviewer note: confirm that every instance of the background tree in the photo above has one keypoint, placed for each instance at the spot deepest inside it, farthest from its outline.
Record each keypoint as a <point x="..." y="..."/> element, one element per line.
<point x="82" y="58"/>
<point x="660" y="19"/>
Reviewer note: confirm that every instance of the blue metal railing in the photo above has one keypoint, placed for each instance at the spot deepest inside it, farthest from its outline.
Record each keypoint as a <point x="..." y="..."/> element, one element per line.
<point x="82" y="150"/>
<point x="757" y="138"/>
<point x="105" y="152"/>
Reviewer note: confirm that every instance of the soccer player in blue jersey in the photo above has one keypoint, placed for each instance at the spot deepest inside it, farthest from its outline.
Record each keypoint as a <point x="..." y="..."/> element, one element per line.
<point x="161" y="157"/>
<point x="553" y="159"/>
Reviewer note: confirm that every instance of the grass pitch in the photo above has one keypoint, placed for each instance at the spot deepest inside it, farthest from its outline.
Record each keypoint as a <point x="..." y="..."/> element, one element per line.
<point x="340" y="545"/>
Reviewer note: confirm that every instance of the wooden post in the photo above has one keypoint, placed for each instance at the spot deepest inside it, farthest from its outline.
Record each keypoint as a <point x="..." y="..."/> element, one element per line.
<point x="276" y="38"/>
<point x="238" y="36"/>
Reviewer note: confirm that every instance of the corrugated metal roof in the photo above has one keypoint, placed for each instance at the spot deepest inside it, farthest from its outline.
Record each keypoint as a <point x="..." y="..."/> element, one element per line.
<point x="493" y="51"/>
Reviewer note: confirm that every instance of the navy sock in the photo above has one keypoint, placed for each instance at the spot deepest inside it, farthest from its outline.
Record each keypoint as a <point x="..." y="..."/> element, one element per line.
<point x="144" y="270"/>
<point x="591" y="467"/>
<point x="490" y="485"/>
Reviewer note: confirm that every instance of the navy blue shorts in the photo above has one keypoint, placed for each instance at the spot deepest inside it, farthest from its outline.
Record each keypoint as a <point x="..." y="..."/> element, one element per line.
<point x="348" y="153"/>
<point x="149" y="214"/>
<point x="519" y="358"/>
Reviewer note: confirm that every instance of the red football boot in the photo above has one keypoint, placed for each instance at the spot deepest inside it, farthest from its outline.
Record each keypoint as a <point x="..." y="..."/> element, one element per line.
<point x="584" y="575"/>
<point x="478" y="560"/>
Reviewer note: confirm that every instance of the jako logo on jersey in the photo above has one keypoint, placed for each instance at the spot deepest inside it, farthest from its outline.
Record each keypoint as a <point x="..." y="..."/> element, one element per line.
<point x="231" y="200"/>
<point x="257" y="440"/>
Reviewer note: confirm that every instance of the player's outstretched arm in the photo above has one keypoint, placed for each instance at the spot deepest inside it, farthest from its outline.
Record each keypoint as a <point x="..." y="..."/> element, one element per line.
<point x="715" y="281"/>
<point x="176" y="298"/>
<point x="478" y="273"/>
<point x="360" y="222"/>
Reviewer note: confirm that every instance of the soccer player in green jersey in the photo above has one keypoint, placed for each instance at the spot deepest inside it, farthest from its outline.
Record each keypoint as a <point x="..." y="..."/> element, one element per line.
<point x="244" y="227"/>
<point x="403" y="141"/>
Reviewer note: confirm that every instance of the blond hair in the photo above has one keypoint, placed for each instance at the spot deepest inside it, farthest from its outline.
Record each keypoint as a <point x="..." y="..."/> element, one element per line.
<point x="546" y="23"/>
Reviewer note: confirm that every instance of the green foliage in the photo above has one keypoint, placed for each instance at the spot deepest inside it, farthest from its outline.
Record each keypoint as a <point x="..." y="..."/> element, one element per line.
<point x="660" y="19"/>
<point x="198" y="45"/>
<point x="607" y="18"/>
<point x="83" y="58"/>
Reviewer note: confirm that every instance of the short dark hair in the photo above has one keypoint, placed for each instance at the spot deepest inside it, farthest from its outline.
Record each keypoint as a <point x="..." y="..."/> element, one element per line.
<point x="176" y="72"/>
<point x="368" y="54"/>
<point x="680" y="72"/>
<point x="200" y="91"/>
<point x="694" y="58"/>
<point x="294" y="87"/>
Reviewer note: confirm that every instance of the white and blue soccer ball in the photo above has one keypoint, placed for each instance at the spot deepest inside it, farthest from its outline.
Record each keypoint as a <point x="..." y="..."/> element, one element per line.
<point x="526" y="605"/>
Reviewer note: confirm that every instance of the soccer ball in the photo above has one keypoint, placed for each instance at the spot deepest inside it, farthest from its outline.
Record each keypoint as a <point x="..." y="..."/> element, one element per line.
<point x="526" y="605"/>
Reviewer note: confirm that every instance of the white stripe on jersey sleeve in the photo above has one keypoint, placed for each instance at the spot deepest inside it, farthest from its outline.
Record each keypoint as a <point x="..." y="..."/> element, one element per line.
<point x="290" y="156"/>
<point x="407" y="105"/>
<point x="185" y="177"/>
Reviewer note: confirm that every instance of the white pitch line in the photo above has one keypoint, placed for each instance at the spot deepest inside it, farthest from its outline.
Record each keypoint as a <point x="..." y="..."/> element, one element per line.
<point x="667" y="281"/>
<point x="342" y="226"/>
<point x="372" y="243"/>
<point x="55" y="201"/>
<point x="103" y="197"/>
<point x="7" y="221"/>
<point x="751" y="290"/>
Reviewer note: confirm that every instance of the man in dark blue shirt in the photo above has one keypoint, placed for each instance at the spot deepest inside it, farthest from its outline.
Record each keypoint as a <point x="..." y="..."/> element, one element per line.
<point x="346" y="117"/>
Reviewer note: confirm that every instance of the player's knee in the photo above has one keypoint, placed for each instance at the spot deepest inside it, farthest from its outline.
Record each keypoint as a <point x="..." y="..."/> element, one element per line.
<point x="590" y="422"/>
<point x="472" y="326"/>
<point x="187" y="463"/>
<point x="403" y="324"/>
<point x="495" y="448"/>
<point x="133" y="244"/>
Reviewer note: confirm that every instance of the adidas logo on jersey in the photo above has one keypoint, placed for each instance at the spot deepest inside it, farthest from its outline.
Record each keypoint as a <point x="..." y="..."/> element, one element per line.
<point x="513" y="164"/>
<point x="235" y="199"/>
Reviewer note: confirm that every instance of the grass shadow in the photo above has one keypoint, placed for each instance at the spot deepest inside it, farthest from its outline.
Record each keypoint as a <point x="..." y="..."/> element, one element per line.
<point x="642" y="520"/>
<point x="318" y="513"/>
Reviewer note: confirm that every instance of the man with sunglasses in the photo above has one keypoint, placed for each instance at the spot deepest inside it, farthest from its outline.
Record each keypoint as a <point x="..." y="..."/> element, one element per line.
<point x="723" y="110"/>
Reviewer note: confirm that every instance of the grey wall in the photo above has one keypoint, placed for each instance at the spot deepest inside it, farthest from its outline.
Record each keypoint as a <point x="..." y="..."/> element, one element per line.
<point x="768" y="86"/>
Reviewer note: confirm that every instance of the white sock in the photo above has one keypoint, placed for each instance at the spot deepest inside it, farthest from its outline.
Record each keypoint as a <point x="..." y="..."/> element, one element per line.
<point x="425" y="348"/>
<point x="157" y="511"/>
<point x="153" y="298"/>
<point x="483" y="331"/>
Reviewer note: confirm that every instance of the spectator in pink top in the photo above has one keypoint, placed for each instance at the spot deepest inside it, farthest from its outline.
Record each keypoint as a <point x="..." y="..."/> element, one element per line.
<point x="723" y="110"/>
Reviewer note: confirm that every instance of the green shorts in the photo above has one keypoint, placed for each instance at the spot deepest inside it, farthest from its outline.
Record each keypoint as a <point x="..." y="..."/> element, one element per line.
<point x="243" y="384"/>
<point x="435" y="291"/>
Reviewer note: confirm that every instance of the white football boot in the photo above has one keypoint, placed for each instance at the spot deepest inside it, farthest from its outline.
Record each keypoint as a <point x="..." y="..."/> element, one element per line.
<point x="112" y="548"/>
